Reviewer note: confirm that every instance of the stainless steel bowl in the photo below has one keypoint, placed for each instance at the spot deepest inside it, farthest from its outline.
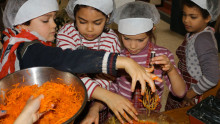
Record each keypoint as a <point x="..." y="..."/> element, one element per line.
<point x="40" y="75"/>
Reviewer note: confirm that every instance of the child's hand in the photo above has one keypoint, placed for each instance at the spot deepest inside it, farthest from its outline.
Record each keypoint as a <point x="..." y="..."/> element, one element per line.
<point x="137" y="73"/>
<point x="93" y="116"/>
<point x="30" y="114"/>
<point x="188" y="99"/>
<point x="164" y="61"/>
<point x="121" y="107"/>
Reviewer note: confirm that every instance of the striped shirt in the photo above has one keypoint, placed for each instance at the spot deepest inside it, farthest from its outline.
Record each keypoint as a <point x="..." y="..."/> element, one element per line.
<point x="123" y="84"/>
<point x="69" y="38"/>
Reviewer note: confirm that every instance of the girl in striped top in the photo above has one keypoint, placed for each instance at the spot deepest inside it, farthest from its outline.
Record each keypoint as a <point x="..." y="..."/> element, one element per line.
<point x="89" y="31"/>
<point x="136" y="23"/>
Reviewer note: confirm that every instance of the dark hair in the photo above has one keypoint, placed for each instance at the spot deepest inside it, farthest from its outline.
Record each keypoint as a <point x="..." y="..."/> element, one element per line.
<point x="27" y="23"/>
<point x="204" y="12"/>
<point x="151" y="36"/>
<point x="78" y="7"/>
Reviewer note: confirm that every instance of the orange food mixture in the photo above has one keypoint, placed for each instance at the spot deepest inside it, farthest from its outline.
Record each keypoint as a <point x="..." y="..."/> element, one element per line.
<point x="143" y="122"/>
<point x="65" y="99"/>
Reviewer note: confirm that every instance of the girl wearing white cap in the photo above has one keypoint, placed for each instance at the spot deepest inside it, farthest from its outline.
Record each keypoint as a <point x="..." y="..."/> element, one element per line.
<point x="30" y="25"/>
<point x="89" y="31"/>
<point x="136" y="22"/>
<point x="198" y="53"/>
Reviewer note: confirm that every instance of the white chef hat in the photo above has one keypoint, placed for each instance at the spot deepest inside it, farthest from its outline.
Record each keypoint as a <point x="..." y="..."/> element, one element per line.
<point x="20" y="11"/>
<point x="105" y="6"/>
<point x="136" y="17"/>
<point x="212" y="6"/>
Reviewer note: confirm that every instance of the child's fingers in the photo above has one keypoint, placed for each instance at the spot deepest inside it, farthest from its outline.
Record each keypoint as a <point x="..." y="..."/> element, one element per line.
<point x="149" y="69"/>
<point x="154" y="77"/>
<point x="143" y="86"/>
<point x="152" y="85"/>
<point x="131" y="112"/>
<point x="119" y="117"/>
<point x="126" y="117"/>
<point x="133" y="84"/>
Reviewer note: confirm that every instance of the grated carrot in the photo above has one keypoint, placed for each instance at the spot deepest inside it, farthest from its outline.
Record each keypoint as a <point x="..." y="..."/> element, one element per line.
<point x="65" y="99"/>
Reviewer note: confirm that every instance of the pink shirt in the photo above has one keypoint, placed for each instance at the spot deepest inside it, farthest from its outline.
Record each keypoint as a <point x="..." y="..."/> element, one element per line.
<point x="123" y="84"/>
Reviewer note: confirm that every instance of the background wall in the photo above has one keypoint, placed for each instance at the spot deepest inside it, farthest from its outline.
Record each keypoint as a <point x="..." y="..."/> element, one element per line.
<point x="121" y="2"/>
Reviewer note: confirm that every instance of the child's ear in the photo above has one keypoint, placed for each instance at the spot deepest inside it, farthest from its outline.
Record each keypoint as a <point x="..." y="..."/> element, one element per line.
<point x="207" y="20"/>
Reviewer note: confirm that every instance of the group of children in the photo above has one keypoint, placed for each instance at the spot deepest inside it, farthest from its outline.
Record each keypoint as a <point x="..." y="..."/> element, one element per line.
<point x="88" y="48"/>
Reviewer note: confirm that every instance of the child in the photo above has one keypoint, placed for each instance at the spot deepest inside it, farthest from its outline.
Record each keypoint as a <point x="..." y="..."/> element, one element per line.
<point x="31" y="24"/>
<point x="89" y="31"/>
<point x="198" y="53"/>
<point x="136" y="22"/>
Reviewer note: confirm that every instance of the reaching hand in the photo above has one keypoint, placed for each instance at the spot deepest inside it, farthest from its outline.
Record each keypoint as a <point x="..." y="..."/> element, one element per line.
<point x="121" y="107"/>
<point x="137" y="73"/>
<point x="93" y="116"/>
<point x="30" y="114"/>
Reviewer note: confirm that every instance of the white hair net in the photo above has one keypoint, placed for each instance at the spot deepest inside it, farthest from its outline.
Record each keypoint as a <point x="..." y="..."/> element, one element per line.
<point x="20" y="11"/>
<point x="212" y="6"/>
<point x="10" y="12"/>
<point x="105" y="6"/>
<point x="137" y="9"/>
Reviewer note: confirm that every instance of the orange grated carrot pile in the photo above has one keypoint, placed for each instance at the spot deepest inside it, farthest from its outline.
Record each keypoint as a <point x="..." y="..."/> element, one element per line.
<point x="60" y="102"/>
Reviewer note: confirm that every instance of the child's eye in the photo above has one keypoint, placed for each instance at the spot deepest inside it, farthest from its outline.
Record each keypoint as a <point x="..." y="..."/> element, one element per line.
<point x="81" y="22"/>
<point x="140" y="40"/>
<point x="193" y="17"/>
<point x="46" y="21"/>
<point x="97" y="23"/>
<point x="126" y="38"/>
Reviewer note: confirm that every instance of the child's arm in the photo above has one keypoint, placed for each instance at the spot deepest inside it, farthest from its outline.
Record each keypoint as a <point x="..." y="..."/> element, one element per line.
<point x="91" y="84"/>
<point x="85" y="61"/>
<point x="176" y="80"/>
<point x="117" y="103"/>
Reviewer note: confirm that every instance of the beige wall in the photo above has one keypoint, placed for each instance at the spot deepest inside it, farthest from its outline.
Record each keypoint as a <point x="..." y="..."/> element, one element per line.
<point x="121" y="2"/>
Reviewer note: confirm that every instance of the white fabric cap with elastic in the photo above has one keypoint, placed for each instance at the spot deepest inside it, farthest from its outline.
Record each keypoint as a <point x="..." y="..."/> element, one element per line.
<point x="106" y="6"/>
<point x="34" y="8"/>
<point x="134" y="26"/>
<point x="201" y="3"/>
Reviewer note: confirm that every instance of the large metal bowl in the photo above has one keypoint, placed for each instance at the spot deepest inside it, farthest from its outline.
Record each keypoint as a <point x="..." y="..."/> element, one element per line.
<point x="40" y="75"/>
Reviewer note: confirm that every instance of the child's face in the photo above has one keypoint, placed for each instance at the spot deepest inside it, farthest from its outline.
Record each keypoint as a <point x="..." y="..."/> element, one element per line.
<point x="44" y="25"/>
<point x="135" y="43"/>
<point x="193" y="19"/>
<point x="90" y="22"/>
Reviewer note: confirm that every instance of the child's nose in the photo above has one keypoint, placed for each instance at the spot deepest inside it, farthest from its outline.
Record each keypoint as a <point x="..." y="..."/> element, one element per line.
<point x="53" y="25"/>
<point x="90" y="27"/>
<point x="185" y="19"/>
<point x="133" y="44"/>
